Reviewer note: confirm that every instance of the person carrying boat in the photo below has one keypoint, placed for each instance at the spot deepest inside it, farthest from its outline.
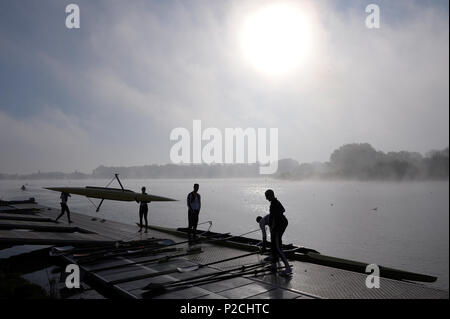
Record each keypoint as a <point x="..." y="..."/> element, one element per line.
<point x="263" y="222"/>
<point x="143" y="212"/>
<point x="278" y="224"/>
<point x="64" y="208"/>
<point x="194" y="204"/>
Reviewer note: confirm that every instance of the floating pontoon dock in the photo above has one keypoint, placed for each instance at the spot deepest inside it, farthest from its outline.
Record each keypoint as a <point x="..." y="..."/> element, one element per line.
<point x="119" y="262"/>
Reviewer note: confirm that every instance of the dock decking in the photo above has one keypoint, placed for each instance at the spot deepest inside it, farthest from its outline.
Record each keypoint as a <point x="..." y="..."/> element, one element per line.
<point x="30" y="223"/>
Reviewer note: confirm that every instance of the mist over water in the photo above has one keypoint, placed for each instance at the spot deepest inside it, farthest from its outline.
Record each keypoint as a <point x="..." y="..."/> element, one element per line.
<point x="402" y="225"/>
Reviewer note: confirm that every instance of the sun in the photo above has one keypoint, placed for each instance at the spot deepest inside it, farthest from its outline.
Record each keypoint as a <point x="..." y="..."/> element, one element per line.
<point x="276" y="39"/>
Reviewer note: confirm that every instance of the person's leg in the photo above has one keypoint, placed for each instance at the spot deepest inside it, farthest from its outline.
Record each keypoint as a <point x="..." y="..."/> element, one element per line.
<point x="140" y="219"/>
<point x="282" y="255"/>
<point x="62" y="212"/>
<point x="146" y="221"/>
<point x="273" y="249"/>
<point x="195" y="223"/>
<point x="279" y="251"/>
<point x="281" y="233"/>
<point x="68" y="213"/>
<point x="288" y="269"/>
<point x="190" y="222"/>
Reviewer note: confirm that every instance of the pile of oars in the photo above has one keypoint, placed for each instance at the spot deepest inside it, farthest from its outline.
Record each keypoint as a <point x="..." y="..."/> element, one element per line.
<point x="58" y="251"/>
<point x="153" y="289"/>
<point x="136" y="248"/>
<point x="155" y="247"/>
<point x="175" y="270"/>
<point x="191" y="251"/>
<point x="158" y="246"/>
<point x="152" y="247"/>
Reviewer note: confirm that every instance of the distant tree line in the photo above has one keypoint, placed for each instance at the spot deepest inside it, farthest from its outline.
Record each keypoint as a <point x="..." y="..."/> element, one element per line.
<point x="363" y="162"/>
<point x="180" y="171"/>
<point x="46" y="175"/>
<point x="350" y="162"/>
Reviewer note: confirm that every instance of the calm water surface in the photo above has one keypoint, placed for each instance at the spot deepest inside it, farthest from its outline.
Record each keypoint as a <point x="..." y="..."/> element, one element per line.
<point x="409" y="230"/>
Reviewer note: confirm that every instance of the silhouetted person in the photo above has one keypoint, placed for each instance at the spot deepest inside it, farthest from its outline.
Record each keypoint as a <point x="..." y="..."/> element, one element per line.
<point x="143" y="212"/>
<point x="263" y="222"/>
<point x="23" y="187"/>
<point x="64" y="208"/>
<point x="278" y="224"/>
<point x="194" y="204"/>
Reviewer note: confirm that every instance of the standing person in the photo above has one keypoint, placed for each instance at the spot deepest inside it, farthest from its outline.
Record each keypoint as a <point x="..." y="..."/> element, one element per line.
<point x="278" y="224"/>
<point x="143" y="212"/>
<point x="263" y="222"/>
<point x="64" y="208"/>
<point x="194" y="204"/>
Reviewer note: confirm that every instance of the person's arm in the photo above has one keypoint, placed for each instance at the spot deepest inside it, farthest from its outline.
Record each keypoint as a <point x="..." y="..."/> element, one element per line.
<point x="188" y="201"/>
<point x="262" y="225"/>
<point x="272" y="216"/>
<point x="199" y="202"/>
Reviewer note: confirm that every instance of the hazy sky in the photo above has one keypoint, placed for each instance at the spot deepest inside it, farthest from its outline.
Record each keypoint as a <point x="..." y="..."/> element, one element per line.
<point x="111" y="92"/>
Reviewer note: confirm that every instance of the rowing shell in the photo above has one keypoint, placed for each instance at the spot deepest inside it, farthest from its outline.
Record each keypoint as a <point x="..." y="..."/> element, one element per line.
<point x="118" y="194"/>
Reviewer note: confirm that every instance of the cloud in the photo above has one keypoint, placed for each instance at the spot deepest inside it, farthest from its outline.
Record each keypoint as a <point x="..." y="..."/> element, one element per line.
<point x="50" y="141"/>
<point x="135" y="72"/>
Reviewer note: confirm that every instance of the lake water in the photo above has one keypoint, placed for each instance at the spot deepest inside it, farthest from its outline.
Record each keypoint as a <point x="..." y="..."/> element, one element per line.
<point x="409" y="230"/>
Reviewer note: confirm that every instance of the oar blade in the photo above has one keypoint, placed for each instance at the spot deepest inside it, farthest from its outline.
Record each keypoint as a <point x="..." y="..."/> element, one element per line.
<point x="194" y="249"/>
<point x="166" y="242"/>
<point x="188" y="269"/>
<point x="154" y="287"/>
<point x="163" y="259"/>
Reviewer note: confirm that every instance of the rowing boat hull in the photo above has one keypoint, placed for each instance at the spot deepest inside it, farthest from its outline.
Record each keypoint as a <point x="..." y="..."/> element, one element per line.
<point x="110" y="194"/>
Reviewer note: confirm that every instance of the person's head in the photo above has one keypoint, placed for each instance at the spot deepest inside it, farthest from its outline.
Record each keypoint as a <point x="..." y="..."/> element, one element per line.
<point x="196" y="187"/>
<point x="258" y="219"/>
<point x="270" y="195"/>
<point x="143" y="189"/>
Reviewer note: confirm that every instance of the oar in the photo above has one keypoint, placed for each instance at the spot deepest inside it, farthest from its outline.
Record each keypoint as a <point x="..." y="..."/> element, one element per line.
<point x="108" y="252"/>
<point x="119" y="245"/>
<point x="153" y="243"/>
<point x="137" y="245"/>
<point x="179" y="269"/>
<point x="211" y="240"/>
<point x="152" y="286"/>
<point x="206" y="240"/>
<point x="230" y="237"/>
<point x="205" y="279"/>
<point x="199" y="239"/>
<point x="202" y="223"/>
<point x="253" y="271"/>
<point x="88" y="260"/>
<point x="156" y="260"/>
<point x="196" y="267"/>
<point x="305" y="250"/>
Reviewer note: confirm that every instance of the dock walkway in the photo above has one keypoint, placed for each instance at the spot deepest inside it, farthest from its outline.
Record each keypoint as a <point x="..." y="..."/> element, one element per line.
<point x="126" y="276"/>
